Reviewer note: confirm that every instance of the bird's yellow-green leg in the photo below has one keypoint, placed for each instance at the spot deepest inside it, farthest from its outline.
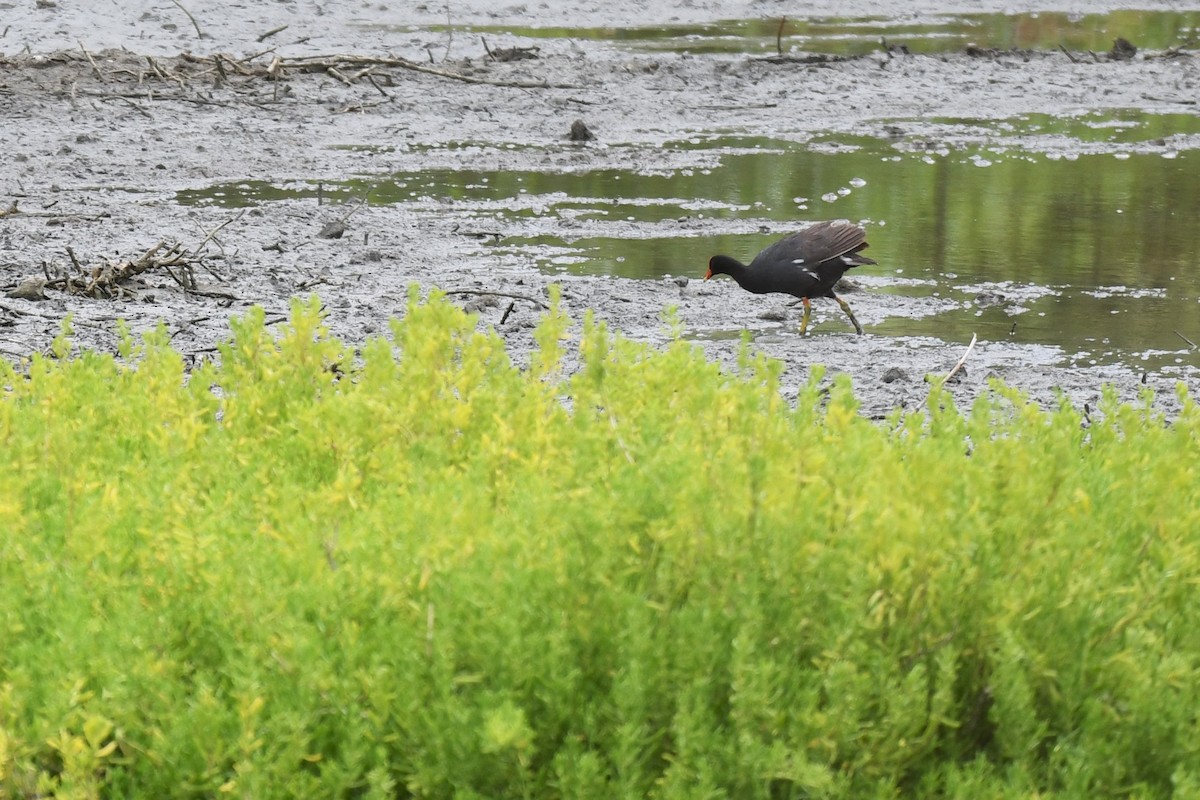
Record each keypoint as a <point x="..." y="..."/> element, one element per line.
<point x="846" y="307"/>
<point x="804" y="319"/>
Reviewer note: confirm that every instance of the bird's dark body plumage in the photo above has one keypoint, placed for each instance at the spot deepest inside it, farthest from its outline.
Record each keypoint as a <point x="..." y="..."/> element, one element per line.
<point x="805" y="264"/>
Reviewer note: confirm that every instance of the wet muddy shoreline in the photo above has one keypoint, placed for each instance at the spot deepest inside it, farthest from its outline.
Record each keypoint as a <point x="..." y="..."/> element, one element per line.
<point x="103" y="144"/>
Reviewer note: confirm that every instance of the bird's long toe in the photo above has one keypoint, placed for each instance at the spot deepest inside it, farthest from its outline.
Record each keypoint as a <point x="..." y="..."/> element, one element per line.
<point x="853" y="320"/>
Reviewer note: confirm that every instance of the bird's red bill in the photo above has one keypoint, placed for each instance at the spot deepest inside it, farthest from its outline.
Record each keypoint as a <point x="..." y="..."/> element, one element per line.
<point x="708" y="274"/>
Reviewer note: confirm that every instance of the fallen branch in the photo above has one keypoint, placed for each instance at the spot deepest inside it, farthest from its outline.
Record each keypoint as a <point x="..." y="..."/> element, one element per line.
<point x="343" y="63"/>
<point x="105" y="280"/>
<point x="224" y="70"/>
<point x="1186" y="339"/>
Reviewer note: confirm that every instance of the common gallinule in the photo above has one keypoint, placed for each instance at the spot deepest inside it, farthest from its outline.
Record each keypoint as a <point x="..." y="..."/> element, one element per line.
<point x="805" y="264"/>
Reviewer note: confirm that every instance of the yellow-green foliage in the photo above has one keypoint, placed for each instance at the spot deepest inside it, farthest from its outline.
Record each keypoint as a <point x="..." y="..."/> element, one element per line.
<point x="427" y="573"/>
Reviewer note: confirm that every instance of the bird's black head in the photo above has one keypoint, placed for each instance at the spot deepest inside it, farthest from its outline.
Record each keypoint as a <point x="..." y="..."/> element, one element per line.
<point x="721" y="265"/>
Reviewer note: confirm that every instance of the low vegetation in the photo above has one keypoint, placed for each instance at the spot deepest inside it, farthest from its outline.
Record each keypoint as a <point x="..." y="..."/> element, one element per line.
<point x="419" y="571"/>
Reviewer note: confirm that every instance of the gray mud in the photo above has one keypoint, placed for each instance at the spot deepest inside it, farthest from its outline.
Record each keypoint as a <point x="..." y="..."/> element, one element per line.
<point x="103" y="120"/>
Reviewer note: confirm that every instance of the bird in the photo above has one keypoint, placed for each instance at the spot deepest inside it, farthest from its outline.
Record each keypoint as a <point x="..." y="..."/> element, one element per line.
<point x="805" y="264"/>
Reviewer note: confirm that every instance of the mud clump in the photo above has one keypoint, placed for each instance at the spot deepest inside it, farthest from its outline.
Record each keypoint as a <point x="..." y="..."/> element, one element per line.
<point x="31" y="288"/>
<point x="1122" y="50"/>
<point x="580" y="132"/>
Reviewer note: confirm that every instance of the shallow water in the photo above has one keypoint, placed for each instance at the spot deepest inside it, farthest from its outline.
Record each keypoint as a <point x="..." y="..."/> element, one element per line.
<point x="925" y="33"/>
<point x="1094" y="253"/>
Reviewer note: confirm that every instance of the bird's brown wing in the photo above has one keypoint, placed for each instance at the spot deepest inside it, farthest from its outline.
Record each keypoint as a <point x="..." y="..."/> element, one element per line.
<point x="816" y="244"/>
<point x="827" y="240"/>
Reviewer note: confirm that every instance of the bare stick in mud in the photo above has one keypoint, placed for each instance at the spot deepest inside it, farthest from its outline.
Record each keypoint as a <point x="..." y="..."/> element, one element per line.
<point x="263" y="37"/>
<point x="449" y="33"/>
<point x="779" y="36"/>
<point x="274" y="74"/>
<point x="341" y="221"/>
<point x="74" y="260"/>
<point x="196" y="25"/>
<point x="961" y="361"/>
<point x="131" y="104"/>
<point x="95" y="69"/>
<point x="155" y="68"/>
<point x="336" y="73"/>
<point x="511" y="305"/>
<point x="259" y="54"/>
<point x="211" y="235"/>
<point x="371" y="78"/>
<point x="1192" y="344"/>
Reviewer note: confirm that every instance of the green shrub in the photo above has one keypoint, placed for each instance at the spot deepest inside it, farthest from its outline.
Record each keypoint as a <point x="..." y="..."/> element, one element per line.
<point x="419" y="571"/>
